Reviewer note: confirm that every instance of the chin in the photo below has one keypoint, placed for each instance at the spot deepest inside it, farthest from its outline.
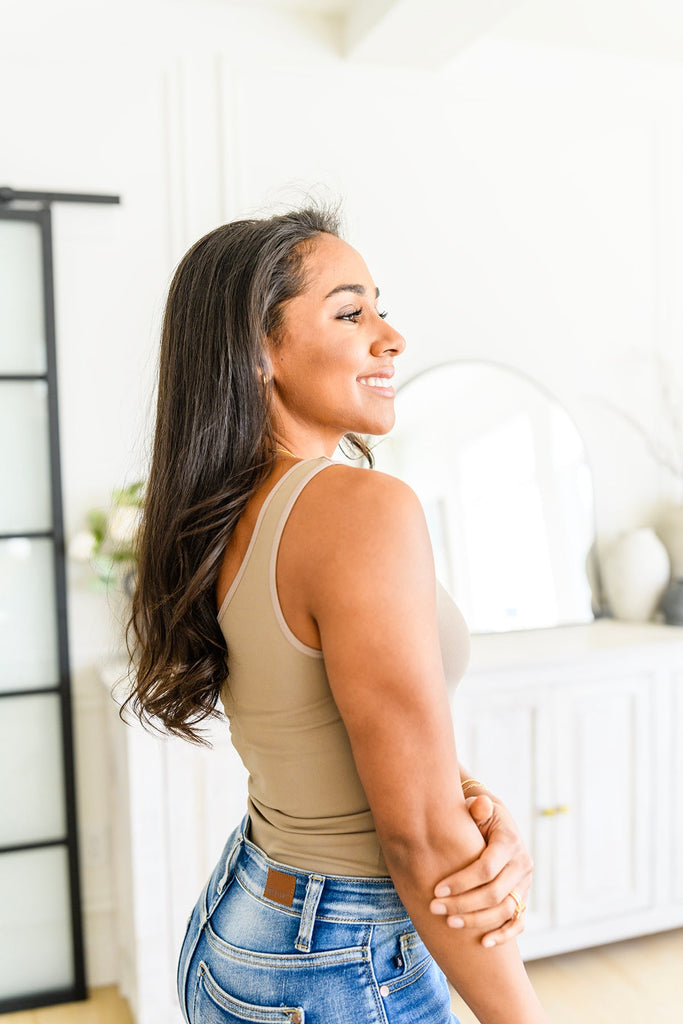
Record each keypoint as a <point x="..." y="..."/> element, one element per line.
<point x="376" y="425"/>
<point x="371" y="428"/>
<point x="382" y="427"/>
<point x="379" y="431"/>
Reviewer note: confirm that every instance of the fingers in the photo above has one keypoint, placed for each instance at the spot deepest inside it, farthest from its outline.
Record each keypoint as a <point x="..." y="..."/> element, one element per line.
<point x="499" y="924"/>
<point x="481" y="808"/>
<point x="480" y="873"/>
<point x="505" y="851"/>
<point x="510" y="930"/>
<point x="489" y="896"/>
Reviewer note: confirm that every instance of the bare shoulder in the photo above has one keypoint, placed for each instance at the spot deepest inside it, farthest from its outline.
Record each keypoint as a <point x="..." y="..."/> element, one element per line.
<point x="343" y="497"/>
<point x="354" y="529"/>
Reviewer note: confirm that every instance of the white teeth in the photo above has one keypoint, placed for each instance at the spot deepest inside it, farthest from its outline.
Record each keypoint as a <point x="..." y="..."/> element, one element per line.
<point x="375" y="382"/>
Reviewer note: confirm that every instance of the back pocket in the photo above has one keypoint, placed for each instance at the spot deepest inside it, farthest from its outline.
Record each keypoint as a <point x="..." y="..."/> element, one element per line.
<point x="213" y="1005"/>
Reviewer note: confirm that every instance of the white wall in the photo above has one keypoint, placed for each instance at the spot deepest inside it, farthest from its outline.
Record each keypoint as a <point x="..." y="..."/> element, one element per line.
<point x="520" y="205"/>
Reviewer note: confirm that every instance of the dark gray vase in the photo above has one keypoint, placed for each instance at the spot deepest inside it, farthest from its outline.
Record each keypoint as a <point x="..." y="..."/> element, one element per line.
<point x="672" y="603"/>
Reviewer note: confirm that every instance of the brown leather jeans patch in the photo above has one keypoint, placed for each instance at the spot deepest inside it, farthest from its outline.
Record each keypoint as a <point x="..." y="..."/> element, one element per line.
<point x="280" y="887"/>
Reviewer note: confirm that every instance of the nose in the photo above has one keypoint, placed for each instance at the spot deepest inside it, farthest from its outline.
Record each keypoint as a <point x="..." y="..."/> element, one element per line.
<point x="388" y="340"/>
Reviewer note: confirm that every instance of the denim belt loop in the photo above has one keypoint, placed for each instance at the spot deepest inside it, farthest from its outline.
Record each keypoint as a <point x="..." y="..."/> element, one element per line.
<point x="314" y="891"/>
<point x="239" y="839"/>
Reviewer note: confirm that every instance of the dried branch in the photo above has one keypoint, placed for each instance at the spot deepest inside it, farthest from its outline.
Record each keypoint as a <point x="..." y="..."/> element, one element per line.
<point x="673" y="463"/>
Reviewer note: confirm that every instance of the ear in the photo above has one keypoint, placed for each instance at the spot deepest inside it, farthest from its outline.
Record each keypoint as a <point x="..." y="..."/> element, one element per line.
<point x="264" y="366"/>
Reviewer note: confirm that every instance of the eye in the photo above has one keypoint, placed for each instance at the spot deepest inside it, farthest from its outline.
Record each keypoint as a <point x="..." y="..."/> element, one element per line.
<point x="355" y="314"/>
<point x="351" y="317"/>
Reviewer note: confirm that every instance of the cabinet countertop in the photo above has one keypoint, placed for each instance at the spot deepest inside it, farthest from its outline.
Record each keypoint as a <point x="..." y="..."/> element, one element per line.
<point x="604" y="638"/>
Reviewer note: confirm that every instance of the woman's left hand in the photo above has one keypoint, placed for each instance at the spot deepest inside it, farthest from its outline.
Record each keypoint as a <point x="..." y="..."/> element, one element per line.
<point x="478" y="896"/>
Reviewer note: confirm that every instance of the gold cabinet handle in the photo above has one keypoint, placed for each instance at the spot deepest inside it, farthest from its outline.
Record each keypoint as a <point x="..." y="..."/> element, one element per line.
<point x="551" y="812"/>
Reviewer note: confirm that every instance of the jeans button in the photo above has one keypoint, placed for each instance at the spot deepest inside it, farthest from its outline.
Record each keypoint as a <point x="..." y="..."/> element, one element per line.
<point x="384" y="990"/>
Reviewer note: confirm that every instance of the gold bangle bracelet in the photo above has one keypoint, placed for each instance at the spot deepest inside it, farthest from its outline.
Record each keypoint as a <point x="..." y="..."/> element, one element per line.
<point x="472" y="782"/>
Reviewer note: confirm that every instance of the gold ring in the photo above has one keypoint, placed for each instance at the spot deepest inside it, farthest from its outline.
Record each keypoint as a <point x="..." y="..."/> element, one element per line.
<point x="520" y="905"/>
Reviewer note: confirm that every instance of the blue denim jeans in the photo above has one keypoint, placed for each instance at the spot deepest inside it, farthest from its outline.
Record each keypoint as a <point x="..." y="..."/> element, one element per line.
<point x="270" y="943"/>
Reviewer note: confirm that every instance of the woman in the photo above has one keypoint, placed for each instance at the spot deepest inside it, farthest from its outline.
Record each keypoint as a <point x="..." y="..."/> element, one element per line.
<point x="315" y="581"/>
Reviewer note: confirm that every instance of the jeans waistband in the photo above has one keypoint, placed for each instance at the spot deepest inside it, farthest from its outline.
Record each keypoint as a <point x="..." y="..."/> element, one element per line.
<point x="299" y="892"/>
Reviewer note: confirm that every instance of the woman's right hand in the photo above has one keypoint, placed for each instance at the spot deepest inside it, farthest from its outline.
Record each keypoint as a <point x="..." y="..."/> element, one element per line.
<point x="478" y="896"/>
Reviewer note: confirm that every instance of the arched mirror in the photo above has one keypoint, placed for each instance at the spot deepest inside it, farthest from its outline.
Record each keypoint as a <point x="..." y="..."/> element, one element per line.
<point x="502" y="473"/>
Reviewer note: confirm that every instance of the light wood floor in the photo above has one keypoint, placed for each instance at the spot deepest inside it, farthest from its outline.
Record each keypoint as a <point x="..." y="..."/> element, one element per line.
<point x="105" y="1006"/>
<point x="634" y="982"/>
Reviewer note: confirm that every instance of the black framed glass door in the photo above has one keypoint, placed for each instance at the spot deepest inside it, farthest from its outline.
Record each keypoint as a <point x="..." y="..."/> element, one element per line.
<point x="41" y="942"/>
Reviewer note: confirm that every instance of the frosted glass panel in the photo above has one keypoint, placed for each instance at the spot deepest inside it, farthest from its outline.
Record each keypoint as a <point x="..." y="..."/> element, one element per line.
<point x="35" y="922"/>
<point x="22" y="328"/>
<point x="25" y="503"/>
<point x="32" y="807"/>
<point x="28" y="619"/>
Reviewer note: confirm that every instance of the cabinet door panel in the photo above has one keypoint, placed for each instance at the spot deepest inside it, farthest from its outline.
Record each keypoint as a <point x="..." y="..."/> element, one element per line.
<point x="506" y="741"/>
<point x="677" y="783"/>
<point x="603" y="858"/>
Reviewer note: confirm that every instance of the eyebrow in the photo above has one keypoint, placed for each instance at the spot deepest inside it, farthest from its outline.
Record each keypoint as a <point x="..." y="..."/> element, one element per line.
<point x="357" y="289"/>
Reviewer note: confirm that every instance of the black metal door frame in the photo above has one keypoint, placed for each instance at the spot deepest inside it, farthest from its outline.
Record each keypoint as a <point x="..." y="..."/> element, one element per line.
<point x="38" y="211"/>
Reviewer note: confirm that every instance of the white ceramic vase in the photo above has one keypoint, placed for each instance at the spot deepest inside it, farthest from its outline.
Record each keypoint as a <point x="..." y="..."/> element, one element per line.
<point x="670" y="530"/>
<point x="635" y="573"/>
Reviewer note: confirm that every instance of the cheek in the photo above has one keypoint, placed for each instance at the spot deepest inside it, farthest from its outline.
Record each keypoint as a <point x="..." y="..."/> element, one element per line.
<point x="318" y="371"/>
<point x="316" y="365"/>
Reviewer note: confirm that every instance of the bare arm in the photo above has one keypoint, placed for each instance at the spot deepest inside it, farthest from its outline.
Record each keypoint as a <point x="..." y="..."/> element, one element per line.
<point x="369" y="580"/>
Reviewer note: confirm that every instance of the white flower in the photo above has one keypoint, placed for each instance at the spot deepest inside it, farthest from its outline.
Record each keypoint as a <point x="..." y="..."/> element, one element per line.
<point x="123" y="524"/>
<point x="82" y="546"/>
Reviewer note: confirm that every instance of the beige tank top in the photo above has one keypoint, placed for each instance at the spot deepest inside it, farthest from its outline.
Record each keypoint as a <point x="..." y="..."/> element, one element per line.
<point x="306" y="803"/>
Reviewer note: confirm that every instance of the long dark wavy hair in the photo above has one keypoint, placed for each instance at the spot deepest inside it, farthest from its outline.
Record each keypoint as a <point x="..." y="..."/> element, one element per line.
<point x="213" y="445"/>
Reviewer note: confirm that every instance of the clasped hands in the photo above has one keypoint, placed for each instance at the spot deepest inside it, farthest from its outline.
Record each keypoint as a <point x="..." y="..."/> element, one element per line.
<point x="490" y="893"/>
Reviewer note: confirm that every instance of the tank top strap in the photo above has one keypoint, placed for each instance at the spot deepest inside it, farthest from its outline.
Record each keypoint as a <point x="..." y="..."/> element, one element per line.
<point x="261" y="553"/>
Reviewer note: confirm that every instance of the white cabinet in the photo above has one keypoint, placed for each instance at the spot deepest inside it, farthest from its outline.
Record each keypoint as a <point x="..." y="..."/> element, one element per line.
<point x="580" y="732"/>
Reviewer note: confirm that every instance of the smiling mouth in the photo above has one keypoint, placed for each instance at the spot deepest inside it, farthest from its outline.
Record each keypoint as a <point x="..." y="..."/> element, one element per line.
<point x="380" y="385"/>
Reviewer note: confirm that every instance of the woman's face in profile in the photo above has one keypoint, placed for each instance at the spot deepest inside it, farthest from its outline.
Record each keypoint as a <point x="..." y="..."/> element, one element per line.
<point x="332" y="359"/>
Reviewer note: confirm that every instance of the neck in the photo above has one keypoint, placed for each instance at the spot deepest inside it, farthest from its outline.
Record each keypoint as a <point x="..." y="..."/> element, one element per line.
<point x="302" y="445"/>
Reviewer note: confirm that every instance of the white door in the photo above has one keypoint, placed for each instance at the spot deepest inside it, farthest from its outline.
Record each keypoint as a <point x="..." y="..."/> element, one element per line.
<point x="504" y="739"/>
<point x="604" y="771"/>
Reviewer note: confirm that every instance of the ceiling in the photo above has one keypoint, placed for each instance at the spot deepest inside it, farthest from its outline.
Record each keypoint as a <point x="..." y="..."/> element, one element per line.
<point x="430" y="33"/>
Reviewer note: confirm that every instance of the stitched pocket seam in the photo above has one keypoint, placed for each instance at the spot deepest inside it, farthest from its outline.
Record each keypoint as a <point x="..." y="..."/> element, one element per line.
<point x="247" y="1011"/>
<point x="322" y="958"/>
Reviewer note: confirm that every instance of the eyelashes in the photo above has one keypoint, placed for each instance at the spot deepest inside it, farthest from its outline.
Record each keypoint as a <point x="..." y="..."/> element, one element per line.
<point x="356" y="313"/>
